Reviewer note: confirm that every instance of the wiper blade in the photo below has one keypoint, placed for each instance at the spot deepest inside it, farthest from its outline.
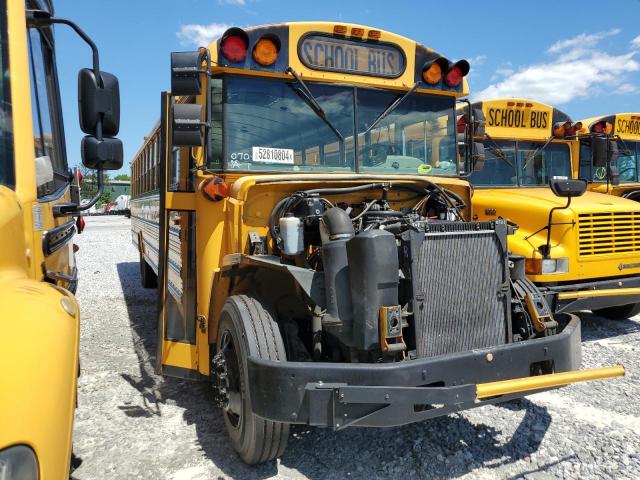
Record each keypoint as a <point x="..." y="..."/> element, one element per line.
<point x="495" y="149"/>
<point x="308" y="97"/>
<point x="392" y="107"/>
<point x="532" y="155"/>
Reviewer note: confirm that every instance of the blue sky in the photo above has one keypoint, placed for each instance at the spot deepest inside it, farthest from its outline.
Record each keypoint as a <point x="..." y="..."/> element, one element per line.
<point x="583" y="57"/>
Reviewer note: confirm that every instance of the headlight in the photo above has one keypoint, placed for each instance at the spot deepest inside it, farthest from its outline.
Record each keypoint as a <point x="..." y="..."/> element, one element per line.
<point x="537" y="266"/>
<point x="18" y="463"/>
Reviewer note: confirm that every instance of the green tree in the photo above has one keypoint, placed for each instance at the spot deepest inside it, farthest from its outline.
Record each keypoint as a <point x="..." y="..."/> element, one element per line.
<point x="122" y="176"/>
<point x="89" y="186"/>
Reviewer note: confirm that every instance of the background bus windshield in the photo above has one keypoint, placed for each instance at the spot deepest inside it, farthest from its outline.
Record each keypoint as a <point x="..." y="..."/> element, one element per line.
<point x="270" y="126"/>
<point x="528" y="164"/>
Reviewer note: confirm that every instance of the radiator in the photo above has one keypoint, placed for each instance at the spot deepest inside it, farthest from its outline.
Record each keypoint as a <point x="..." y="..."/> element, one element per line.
<point x="460" y="286"/>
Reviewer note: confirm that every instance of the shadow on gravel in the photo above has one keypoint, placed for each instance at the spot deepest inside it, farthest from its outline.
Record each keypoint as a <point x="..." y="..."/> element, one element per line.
<point x="595" y="327"/>
<point x="440" y="448"/>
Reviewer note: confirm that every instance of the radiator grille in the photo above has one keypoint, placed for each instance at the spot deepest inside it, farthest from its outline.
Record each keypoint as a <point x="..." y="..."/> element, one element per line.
<point x="458" y="284"/>
<point x="608" y="233"/>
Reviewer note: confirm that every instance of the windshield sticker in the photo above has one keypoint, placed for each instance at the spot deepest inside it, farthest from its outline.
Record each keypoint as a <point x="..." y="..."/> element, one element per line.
<point x="283" y="156"/>
<point x="424" y="168"/>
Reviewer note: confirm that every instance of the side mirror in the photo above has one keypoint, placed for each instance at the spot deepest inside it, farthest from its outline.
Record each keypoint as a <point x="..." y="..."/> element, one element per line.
<point x="94" y="101"/>
<point x="105" y="154"/>
<point x="564" y="187"/>
<point x="185" y="73"/>
<point x="187" y="126"/>
<point x="477" y="156"/>
<point x="599" y="150"/>
<point x="614" y="175"/>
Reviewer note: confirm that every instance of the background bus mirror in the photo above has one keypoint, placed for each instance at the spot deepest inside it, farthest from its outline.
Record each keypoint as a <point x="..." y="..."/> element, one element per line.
<point x="105" y="154"/>
<point x="613" y="150"/>
<point x="187" y="127"/>
<point x="599" y="149"/>
<point x="185" y="73"/>
<point x="613" y="174"/>
<point x="95" y="101"/>
<point x="477" y="156"/>
<point x="564" y="187"/>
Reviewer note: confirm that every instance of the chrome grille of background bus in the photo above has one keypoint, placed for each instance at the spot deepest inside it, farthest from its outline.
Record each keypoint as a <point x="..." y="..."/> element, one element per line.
<point x="608" y="233"/>
<point x="458" y="284"/>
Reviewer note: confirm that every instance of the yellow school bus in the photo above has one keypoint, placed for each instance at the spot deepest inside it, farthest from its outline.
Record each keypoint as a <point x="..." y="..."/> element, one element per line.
<point x="299" y="208"/>
<point x="39" y="215"/>
<point x="580" y="250"/>
<point x="624" y="129"/>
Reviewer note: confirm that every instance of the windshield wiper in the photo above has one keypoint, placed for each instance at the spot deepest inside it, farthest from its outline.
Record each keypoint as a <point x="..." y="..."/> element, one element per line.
<point x="392" y="107"/>
<point x="310" y="100"/>
<point x="532" y="155"/>
<point x="497" y="151"/>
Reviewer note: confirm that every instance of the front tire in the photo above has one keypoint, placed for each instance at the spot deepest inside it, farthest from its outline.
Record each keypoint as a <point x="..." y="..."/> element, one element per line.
<point x="621" y="312"/>
<point x="247" y="328"/>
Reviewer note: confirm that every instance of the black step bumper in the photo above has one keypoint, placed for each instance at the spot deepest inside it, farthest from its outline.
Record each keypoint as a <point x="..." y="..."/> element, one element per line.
<point x="339" y="395"/>
<point x="589" y="295"/>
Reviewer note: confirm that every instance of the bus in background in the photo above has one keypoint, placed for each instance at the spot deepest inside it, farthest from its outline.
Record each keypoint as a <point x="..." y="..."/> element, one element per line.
<point x="299" y="208"/>
<point x="623" y="179"/>
<point x="579" y="250"/>
<point x="40" y="212"/>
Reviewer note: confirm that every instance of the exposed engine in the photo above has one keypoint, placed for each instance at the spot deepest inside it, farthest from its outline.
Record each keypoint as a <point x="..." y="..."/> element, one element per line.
<point x="405" y="282"/>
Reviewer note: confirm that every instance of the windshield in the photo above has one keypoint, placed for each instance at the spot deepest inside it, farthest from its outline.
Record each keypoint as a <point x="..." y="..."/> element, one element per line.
<point x="6" y="127"/>
<point x="528" y="164"/>
<point x="627" y="162"/>
<point x="273" y="126"/>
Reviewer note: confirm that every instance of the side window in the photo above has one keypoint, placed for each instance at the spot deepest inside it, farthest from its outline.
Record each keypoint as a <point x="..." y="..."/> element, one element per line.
<point x="51" y="165"/>
<point x="7" y="174"/>
<point x="586" y="168"/>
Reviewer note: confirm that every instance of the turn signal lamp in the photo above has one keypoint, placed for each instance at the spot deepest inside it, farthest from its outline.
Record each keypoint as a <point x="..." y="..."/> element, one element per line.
<point x="456" y="72"/>
<point x="79" y="176"/>
<point x="374" y="34"/>
<point x="601" y="127"/>
<point x="357" y="32"/>
<point x="265" y="51"/>
<point x="543" y="266"/>
<point x="234" y="46"/>
<point x="560" y="127"/>
<point x="573" y="129"/>
<point x="215" y="189"/>
<point x="432" y="74"/>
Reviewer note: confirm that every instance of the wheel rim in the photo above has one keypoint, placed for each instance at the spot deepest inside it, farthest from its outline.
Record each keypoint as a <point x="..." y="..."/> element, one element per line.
<point x="232" y="383"/>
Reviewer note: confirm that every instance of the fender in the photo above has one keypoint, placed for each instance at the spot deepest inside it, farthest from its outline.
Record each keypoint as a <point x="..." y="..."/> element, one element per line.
<point x="38" y="370"/>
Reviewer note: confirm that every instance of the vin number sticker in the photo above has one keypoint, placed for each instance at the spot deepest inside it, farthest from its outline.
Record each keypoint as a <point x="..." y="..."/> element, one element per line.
<point x="273" y="155"/>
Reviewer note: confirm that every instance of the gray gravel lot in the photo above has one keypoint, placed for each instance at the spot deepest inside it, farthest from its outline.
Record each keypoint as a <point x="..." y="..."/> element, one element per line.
<point x="132" y="424"/>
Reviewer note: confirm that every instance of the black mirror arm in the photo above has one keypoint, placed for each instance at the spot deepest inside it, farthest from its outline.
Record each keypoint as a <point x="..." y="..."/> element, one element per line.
<point x="546" y="249"/>
<point x="41" y="18"/>
<point x="64" y="209"/>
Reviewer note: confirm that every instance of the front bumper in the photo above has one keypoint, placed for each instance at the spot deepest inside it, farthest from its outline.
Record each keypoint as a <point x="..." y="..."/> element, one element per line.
<point x="339" y="395"/>
<point x="592" y="295"/>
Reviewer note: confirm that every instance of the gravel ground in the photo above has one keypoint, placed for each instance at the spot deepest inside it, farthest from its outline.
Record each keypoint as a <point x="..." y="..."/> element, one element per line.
<point x="132" y="424"/>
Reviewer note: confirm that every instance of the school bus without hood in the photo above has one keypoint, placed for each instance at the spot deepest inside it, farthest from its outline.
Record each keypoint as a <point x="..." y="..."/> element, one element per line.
<point x="39" y="215"/>
<point x="582" y="251"/>
<point x="299" y="208"/>
<point x="619" y="174"/>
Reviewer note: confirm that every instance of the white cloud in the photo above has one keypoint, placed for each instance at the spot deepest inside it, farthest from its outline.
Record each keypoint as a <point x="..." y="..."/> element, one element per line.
<point x="580" y="69"/>
<point x="477" y="60"/>
<point x="626" y="88"/>
<point x="635" y="43"/>
<point x="200" y="35"/>
<point x="237" y="3"/>
<point x="572" y="48"/>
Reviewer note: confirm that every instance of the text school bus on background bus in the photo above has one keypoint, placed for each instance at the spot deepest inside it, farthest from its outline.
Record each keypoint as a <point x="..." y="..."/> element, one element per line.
<point x="299" y="208"/>
<point x="582" y="251"/>
<point x="39" y="214"/>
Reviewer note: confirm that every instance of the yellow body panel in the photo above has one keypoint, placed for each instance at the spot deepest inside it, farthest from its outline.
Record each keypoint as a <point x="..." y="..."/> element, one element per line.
<point x="39" y="322"/>
<point x="529" y="206"/>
